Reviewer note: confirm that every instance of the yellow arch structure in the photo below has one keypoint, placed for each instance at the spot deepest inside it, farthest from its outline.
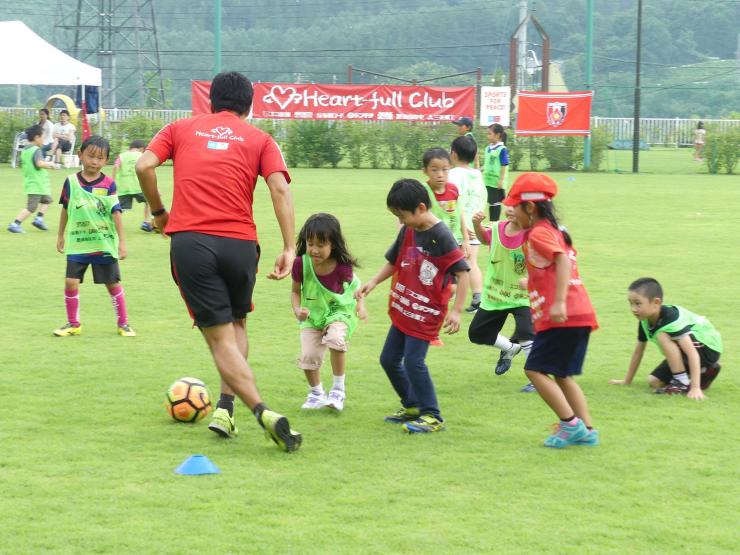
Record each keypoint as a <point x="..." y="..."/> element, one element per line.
<point x="69" y="105"/>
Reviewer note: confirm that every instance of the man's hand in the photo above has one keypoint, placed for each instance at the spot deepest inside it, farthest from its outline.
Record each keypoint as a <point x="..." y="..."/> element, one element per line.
<point x="161" y="221"/>
<point x="283" y="265"/>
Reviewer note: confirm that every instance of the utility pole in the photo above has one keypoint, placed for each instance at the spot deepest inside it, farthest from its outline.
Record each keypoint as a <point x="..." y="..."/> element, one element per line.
<point x="217" y="41"/>
<point x="522" y="54"/>
<point x="588" y="75"/>
<point x="636" y="118"/>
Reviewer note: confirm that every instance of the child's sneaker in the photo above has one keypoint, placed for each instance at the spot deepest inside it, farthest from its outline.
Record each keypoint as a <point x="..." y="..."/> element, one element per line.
<point x="505" y="358"/>
<point x="591" y="438"/>
<point x="472" y="308"/>
<point x="674" y="388"/>
<point x="38" y="223"/>
<point x="223" y="424"/>
<point x="567" y="435"/>
<point x="314" y="401"/>
<point x="146" y="226"/>
<point x="126" y="331"/>
<point x="437" y="342"/>
<point x="277" y="428"/>
<point x="425" y="424"/>
<point x="403" y="415"/>
<point x="335" y="400"/>
<point x="529" y="388"/>
<point x="67" y="330"/>
<point x="15" y="228"/>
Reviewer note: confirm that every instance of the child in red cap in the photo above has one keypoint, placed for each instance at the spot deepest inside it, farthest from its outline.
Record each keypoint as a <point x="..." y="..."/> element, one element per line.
<point x="561" y="310"/>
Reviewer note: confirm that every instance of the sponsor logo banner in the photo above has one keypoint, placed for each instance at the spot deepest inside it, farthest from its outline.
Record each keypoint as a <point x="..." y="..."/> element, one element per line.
<point x="544" y="113"/>
<point x="350" y="102"/>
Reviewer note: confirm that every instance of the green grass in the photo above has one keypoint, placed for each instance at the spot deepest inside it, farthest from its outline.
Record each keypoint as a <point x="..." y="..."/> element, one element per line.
<point x="89" y="453"/>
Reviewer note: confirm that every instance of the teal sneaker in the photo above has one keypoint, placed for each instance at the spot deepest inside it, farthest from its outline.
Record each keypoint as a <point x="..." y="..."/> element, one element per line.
<point x="277" y="428"/>
<point x="567" y="435"/>
<point x="403" y="415"/>
<point x="223" y="424"/>
<point x="425" y="424"/>
<point x="591" y="439"/>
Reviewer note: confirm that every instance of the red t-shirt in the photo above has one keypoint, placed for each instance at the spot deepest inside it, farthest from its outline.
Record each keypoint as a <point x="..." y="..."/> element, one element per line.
<point x="543" y="243"/>
<point x="447" y="199"/>
<point x="217" y="158"/>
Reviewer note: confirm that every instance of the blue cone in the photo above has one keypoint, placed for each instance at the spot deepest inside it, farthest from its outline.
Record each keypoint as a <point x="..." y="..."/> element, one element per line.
<point x="196" y="465"/>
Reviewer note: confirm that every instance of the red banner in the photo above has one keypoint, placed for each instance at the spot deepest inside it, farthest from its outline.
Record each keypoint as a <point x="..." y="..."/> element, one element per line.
<point x="351" y="102"/>
<point x="546" y="113"/>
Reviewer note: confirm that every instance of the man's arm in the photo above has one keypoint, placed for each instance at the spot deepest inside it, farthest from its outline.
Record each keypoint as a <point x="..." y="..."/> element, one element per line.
<point x="282" y="203"/>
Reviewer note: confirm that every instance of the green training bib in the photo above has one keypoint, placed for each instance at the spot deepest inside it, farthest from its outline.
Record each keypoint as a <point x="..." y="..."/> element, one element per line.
<point x="90" y="226"/>
<point x="126" y="181"/>
<point x="450" y="219"/>
<point x="701" y="328"/>
<point x="505" y="268"/>
<point x="35" y="180"/>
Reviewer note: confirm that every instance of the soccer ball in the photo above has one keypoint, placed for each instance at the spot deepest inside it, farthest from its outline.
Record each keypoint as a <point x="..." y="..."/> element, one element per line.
<point x="188" y="400"/>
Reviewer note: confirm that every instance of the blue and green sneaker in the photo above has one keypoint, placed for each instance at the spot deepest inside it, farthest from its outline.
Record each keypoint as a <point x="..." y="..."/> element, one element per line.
<point x="277" y="428"/>
<point x="223" y="424"/>
<point x="591" y="439"/>
<point x="403" y="415"/>
<point x="567" y="435"/>
<point x="425" y="424"/>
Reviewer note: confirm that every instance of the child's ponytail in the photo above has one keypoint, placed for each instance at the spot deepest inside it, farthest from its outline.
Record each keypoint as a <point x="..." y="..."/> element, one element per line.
<point x="498" y="129"/>
<point x="546" y="210"/>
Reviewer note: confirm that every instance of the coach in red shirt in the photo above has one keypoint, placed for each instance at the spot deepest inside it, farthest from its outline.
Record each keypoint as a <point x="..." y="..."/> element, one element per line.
<point x="214" y="251"/>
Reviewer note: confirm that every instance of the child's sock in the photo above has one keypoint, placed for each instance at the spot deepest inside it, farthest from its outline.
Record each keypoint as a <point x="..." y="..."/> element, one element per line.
<point x="72" y="304"/>
<point x="17" y="222"/>
<point x="476" y="298"/>
<point x="570" y="421"/>
<point x="338" y="382"/>
<point x="503" y="343"/>
<point x="526" y="348"/>
<point x="318" y="389"/>
<point x="40" y="215"/>
<point x="119" y="305"/>
<point x="683" y="377"/>
<point x="226" y="402"/>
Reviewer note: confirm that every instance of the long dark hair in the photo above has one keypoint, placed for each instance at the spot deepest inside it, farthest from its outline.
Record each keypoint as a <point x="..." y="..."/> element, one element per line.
<point x="546" y="210"/>
<point x="325" y="227"/>
<point x="499" y="130"/>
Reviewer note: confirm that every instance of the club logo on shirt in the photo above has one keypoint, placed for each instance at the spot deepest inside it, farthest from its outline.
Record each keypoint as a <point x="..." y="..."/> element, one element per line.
<point x="221" y="132"/>
<point x="427" y="272"/>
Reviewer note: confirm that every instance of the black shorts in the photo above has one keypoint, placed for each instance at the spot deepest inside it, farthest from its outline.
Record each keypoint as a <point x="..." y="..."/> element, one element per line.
<point x="707" y="359"/>
<point x="126" y="201"/>
<point x="216" y="276"/>
<point x="64" y="145"/>
<point x="559" y="351"/>
<point x="102" y="273"/>
<point x="486" y="325"/>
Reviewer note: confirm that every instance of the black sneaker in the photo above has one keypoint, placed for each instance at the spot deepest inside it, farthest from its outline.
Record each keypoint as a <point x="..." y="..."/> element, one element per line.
<point x="673" y="388"/>
<point x="473" y="308"/>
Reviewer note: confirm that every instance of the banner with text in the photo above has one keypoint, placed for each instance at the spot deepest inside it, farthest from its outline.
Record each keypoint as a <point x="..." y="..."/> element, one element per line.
<point x="546" y="113"/>
<point x="350" y="102"/>
<point x="495" y="105"/>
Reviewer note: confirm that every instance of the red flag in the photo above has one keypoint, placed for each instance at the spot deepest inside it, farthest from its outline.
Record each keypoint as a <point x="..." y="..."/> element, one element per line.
<point x="546" y="113"/>
<point x="85" y="124"/>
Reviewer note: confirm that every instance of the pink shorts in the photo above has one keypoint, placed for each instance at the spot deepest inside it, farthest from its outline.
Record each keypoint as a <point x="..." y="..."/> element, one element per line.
<point x="314" y="343"/>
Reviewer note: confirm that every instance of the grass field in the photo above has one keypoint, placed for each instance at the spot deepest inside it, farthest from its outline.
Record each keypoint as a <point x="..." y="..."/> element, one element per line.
<point x="89" y="453"/>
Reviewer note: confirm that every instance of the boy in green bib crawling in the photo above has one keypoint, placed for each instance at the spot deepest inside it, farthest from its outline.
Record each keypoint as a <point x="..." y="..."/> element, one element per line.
<point x="35" y="181"/>
<point x="124" y="174"/>
<point x="91" y="234"/>
<point x="689" y="342"/>
<point x="323" y="300"/>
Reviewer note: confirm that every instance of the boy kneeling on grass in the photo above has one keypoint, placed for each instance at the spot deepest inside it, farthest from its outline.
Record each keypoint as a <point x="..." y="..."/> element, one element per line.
<point x="690" y="343"/>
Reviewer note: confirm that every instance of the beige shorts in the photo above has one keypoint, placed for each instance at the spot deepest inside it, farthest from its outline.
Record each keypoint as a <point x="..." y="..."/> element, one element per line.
<point x="314" y="343"/>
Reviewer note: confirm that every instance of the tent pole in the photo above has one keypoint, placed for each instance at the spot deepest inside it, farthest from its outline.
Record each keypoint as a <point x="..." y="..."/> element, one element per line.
<point x="18" y="95"/>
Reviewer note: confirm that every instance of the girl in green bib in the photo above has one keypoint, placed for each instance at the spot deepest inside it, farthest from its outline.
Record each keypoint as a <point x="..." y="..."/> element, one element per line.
<point x="91" y="234"/>
<point x="502" y="293"/>
<point x="323" y="300"/>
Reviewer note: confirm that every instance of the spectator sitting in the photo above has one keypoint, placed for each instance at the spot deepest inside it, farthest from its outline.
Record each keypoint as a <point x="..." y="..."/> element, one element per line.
<point x="48" y="128"/>
<point x="64" y="132"/>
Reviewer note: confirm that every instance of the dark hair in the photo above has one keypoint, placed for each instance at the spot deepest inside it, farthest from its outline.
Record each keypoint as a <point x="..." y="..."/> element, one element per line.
<point x="407" y="195"/>
<point x="700" y="125"/>
<point x="64" y="112"/>
<point x="648" y="287"/>
<point x="499" y="130"/>
<point x="325" y="227"/>
<point x="137" y="143"/>
<point x="465" y="148"/>
<point x="546" y="210"/>
<point x="44" y="110"/>
<point x="96" y="141"/>
<point x="33" y="132"/>
<point x="434" y="154"/>
<point x="231" y="91"/>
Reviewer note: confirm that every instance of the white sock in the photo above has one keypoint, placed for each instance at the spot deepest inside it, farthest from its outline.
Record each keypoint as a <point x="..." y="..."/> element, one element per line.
<point x="339" y="382"/>
<point x="317" y="389"/>
<point x="683" y="377"/>
<point x="503" y="343"/>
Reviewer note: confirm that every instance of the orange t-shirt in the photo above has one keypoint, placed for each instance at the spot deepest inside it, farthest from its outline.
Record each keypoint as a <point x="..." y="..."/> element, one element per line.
<point x="543" y="243"/>
<point x="217" y="159"/>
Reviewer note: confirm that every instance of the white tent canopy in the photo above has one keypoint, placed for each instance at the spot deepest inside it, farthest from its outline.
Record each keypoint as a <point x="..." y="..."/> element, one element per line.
<point x="27" y="59"/>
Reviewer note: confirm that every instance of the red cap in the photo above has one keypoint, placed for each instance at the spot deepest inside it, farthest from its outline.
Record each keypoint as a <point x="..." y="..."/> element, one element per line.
<point x="532" y="187"/>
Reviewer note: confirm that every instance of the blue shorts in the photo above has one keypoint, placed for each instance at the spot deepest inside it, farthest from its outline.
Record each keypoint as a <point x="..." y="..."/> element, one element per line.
<point x="559" y="351"/>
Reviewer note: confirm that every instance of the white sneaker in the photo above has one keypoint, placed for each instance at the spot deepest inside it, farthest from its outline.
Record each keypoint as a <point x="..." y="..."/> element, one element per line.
<point x="314" y="402"/>
<point x="336" y="399"/>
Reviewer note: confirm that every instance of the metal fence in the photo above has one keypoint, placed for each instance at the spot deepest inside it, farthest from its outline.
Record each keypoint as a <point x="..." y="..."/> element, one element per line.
<point x="671" y="132"/>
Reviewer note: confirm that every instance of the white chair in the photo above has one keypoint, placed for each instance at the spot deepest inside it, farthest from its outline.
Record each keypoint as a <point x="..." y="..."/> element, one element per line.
<point x="19" y="143"/>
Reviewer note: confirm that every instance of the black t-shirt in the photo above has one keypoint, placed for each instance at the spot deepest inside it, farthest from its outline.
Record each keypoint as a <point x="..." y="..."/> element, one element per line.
<point x="667" y="315"/>
<point x="435" y="241"/>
